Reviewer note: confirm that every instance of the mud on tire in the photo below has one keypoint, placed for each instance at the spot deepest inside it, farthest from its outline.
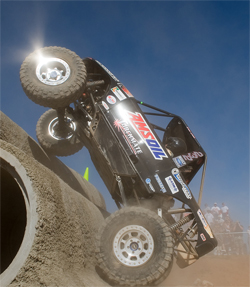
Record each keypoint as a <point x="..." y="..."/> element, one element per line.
<point x="57" y="142"/>
<point x="134" y="248"/>
<point x="53" y="77"/>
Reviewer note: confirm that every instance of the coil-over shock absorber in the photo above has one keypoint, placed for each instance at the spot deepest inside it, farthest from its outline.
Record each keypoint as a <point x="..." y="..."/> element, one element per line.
<point x="181" y="222"/>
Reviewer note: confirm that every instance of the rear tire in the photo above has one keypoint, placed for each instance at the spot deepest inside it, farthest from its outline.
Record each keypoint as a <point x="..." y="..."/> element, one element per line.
<point x="53" y="77"/>
<point x="134" y="248"/>
<point x="56" y="142"/>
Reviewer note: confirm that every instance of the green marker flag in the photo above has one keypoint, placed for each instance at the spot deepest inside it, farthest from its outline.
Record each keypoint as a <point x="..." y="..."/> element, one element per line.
<point x="86" y="174"/>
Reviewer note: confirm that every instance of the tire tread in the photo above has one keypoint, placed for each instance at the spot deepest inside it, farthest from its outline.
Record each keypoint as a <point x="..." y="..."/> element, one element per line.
<point x="158" y="272"/>
<point x="49" y="96"/>
<point x="50" y="145"/>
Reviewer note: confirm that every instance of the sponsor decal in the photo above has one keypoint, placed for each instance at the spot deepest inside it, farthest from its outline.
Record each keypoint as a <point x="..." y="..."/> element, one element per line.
<point x="205" y="224"/>
<point x="127" y="92"/>
<point x="108" y="71"/>
<point x="118" y="93"/>
<point x="185" y="189"/>
<point x="105" y="105"/>
<point x="193" y="155"/>
<point x="191" y="132"/>
<point x="143" y="130"/>
<point x="179" y="161"/>
<point x="111" y="100"/>
<point x="148" y="181"/>
<point x="173" y="187"/>
<point x="133" y="144"/>
<point x="162" y="188"/>
<point x="203" y="237"/>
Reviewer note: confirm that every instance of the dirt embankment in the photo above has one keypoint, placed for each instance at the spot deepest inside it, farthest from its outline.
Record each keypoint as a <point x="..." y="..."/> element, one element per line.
<point x="49" y="217"/>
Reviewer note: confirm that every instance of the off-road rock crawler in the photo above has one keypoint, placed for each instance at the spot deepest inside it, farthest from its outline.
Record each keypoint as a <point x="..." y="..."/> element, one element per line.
<point x="146" y="166"/>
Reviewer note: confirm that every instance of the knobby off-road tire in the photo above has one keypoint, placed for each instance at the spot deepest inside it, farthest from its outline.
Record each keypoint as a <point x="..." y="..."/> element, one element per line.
<point x="134" y="248"/>
<point x="53" y="77"/>
<point x="54" y="141"/>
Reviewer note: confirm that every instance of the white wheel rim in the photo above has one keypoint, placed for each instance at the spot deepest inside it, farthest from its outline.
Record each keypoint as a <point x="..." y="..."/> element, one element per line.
<point x="52" y="71"/>
<point x="55" y="122"/>
<point x="133" y="245"/>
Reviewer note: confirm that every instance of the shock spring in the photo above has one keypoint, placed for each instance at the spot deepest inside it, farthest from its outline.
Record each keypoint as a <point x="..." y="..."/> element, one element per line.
<point x="181" y="222"/>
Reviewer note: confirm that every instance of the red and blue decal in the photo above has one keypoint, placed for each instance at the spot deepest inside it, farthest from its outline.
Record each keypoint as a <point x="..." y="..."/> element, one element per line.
<point x="144" y="131"/>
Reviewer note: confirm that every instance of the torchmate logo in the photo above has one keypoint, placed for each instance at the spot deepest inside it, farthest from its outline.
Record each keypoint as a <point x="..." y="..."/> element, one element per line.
<point x="143" y="130"/>
<point x="128" y="136"/>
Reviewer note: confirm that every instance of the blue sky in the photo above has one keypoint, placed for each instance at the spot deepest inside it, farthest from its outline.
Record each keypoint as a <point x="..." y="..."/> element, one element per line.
<point x="190" y="58"/>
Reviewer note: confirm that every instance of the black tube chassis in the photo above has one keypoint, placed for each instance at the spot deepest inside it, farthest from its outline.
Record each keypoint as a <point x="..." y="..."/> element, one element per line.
<point x="134" y="163"/>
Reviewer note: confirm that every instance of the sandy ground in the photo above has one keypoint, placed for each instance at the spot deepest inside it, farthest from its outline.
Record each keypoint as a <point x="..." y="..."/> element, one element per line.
<point x="219" y="270"/>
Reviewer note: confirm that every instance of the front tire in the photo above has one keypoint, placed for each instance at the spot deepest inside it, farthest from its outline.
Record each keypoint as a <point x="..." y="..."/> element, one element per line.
<point x="53" y="77"/>
<point x="134" y="248"/>
<point x="59" y="142"/>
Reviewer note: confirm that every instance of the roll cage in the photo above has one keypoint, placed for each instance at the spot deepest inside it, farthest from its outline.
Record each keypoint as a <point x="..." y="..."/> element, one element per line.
<point x="195" y="155"/>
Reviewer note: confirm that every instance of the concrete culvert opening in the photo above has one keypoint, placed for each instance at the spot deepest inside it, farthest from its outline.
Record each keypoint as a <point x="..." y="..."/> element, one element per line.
<point x="13" y="216"/>
<point x="18" y="216"/>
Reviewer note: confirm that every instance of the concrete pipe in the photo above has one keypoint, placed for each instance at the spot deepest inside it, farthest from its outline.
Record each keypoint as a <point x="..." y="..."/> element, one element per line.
<point x="18" y="217"/>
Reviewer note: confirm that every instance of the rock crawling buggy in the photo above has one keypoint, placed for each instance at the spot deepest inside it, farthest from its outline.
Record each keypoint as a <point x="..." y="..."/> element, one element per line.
<point x="144" y="174"/>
